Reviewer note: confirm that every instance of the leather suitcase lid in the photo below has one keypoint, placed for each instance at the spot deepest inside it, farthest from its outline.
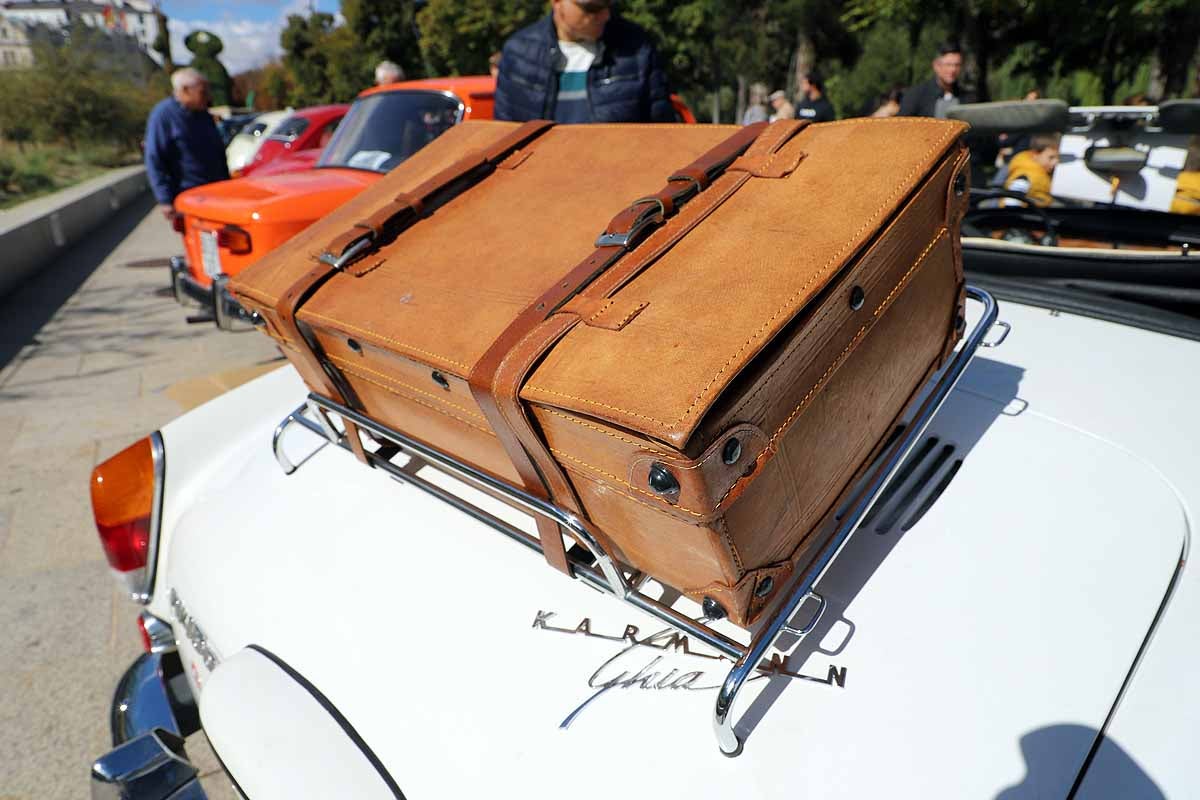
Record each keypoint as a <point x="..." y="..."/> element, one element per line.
<point x="717" y="297"/>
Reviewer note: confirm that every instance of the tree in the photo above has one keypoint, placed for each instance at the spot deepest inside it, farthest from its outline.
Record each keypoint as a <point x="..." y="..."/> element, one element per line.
<point x="387" y="29"/>
<point x="306" y="58"/>
<point x="457" y="36"/>
<point x="205" y="48"/>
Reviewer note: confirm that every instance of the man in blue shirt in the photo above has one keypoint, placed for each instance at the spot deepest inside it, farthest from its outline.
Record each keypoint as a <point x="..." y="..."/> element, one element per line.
<point x="183" y="147"/>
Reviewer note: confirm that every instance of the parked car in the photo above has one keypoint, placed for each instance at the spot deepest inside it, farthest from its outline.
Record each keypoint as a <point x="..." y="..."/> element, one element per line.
<point x="245" y="143"/>
<point x="1014" y="615"/>
<point x="229" y="225"/>
<point x="290" y="162"/>
<point x="233" y="124"/>
<point x="306" y="129"/>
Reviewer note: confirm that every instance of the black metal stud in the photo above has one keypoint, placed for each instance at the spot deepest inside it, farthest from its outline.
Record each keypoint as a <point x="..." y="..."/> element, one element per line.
<point x="764" y="587"/>
<point x="662" y="481"/>
<point x="440" y="380"/>
<point x="857" y="298"/>
<point x="354" y="345"/>
<point x="712" y="609"/>
<point x="960" y="184"/>
<point x="732" y="451"/>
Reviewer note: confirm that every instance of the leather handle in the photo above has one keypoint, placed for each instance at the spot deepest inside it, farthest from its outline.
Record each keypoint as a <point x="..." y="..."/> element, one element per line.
<point x="388" y="221"/>
<point x="497" y="378"/>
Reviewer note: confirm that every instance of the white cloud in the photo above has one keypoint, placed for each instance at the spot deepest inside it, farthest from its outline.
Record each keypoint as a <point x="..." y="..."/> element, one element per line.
<point x="248" y="43"/>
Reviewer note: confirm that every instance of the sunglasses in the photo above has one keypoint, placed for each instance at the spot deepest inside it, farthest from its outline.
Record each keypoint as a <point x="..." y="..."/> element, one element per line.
<point x="593" y="6"/>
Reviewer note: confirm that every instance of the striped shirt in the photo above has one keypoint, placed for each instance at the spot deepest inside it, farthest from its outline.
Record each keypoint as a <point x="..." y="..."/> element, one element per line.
<point x="572" y="105"/>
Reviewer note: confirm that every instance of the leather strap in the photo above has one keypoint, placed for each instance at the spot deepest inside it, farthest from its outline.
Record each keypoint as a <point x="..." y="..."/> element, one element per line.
<point x="381" y="227"/>
<point x="497" y="378"/>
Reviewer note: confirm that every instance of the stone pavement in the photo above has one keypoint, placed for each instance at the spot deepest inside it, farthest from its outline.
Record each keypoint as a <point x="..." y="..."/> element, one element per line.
<point x="92" y="357"/>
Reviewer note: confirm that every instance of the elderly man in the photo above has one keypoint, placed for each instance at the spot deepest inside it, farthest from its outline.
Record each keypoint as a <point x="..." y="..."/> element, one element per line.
<point x="183" y="147"/>
<point x="388" y="72"/>
<point x="932" y="98"/>
<point x="581" y="63"/>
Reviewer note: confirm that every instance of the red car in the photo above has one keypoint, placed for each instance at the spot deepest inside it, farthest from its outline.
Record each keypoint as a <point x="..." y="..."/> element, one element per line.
<point x="307" y="129"/>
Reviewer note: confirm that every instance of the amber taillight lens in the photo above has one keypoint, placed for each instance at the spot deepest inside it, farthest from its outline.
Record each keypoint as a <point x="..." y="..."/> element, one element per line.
<point x="126" y="496"/>
<point x="234" y="239"/>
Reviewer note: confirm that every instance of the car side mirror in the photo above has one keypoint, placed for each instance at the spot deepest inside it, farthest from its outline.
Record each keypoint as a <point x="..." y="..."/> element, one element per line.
<point x="1115" y="159"/>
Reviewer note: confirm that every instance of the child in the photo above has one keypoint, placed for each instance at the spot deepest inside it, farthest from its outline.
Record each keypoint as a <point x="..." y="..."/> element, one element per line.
<point x="1029" y="171"/>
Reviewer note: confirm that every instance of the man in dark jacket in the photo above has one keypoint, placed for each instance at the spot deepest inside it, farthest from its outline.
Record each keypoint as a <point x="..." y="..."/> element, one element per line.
<point x="183" y="147"/>
<point x="932" y="98"/>
<point x="581" y="64"/>
<point x="811" y="103"/>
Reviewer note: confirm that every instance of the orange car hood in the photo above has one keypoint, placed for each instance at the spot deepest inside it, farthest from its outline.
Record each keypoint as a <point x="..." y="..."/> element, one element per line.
<point x="291" y="197"/>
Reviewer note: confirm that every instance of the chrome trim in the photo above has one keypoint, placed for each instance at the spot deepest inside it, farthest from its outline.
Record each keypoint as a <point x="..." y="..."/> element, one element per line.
<point x="142" y="701"/>
<point x="160" y="473"/>
<point x="153" y="766"/>
<point x="228" y="313"/>
<point x="296" y="417"/>
<point x="607" y="576"/>
<point x="185" y="288"/>
<point x="728" y="739"/>
<point x="1005" y="329"/>
<point x="162" y="637"/>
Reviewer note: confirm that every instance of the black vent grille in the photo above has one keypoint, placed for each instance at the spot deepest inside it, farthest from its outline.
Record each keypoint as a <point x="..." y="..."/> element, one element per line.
<point x="916" y="486"/>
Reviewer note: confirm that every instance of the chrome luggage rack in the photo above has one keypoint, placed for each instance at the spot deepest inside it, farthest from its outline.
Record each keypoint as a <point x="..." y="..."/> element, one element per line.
<point x="601" y="570"/>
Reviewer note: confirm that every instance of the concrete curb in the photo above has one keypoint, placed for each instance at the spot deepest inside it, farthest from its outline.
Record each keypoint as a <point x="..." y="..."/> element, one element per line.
<point x="33" y="234"/>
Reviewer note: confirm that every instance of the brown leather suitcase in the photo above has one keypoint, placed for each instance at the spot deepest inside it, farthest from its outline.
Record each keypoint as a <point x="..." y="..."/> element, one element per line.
<point x="702" y="381"/>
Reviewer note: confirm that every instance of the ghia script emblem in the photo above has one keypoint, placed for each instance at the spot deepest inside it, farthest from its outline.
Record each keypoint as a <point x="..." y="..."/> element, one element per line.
<point x="628" y="669"/>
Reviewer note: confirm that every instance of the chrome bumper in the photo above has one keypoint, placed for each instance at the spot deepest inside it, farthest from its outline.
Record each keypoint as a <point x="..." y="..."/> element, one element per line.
<point x="226" y="312"/>
<point x="152" y="712"/>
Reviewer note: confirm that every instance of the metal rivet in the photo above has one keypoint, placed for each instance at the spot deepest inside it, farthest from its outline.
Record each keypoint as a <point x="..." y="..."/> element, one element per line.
<point x="712" y="609"/>
<point x="960" y="184"/>
<point x="764" y="587"/>
<point x="662" y="481"/>
<point x="440" y="380"/>
<point x="732" y="451"/>
<point x="857" y="298"/>
<point x="354" y="345"/>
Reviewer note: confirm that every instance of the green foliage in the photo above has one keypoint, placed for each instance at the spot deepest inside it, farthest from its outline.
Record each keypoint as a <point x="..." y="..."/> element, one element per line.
<point x="457" y="36"/>
<point x="205" y="47"/>
<point x="322" y="63"/>
<point x="386" y="29"/>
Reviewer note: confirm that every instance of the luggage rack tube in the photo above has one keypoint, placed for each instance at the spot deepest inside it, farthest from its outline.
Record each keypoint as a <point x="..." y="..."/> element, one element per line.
<point x="606" y="576"/>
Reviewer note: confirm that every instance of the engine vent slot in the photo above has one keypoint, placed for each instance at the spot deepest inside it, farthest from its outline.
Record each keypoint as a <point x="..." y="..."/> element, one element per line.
<point x="916" y="486"/>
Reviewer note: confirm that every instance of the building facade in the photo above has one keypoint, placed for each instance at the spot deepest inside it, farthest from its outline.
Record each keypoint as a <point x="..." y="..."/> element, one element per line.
<point x="134" y="18"/>
<point x="15" y="50"/>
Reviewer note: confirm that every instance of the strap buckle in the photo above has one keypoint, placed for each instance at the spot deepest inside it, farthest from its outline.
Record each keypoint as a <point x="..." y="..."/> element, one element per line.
<point x="651" y="216"/>
<point x="356" y="248"/>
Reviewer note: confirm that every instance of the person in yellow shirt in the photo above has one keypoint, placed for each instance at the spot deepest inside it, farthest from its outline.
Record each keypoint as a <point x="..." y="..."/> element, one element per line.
<point x="1187" y="190"/>
<point x="1030" y="170"/>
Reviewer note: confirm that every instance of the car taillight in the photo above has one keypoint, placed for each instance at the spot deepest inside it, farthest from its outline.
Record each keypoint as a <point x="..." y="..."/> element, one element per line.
<point x="126" y="501"/>
<point x="234" y="239"/>
<point x="177" y="222"/>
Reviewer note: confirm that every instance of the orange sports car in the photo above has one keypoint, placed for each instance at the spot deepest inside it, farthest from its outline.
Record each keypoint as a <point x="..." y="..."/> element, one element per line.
<point x="228" y="225"/>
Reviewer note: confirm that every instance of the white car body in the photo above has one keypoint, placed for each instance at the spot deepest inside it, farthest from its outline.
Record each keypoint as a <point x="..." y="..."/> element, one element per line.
<point x="1038" y="620"/>
<point x="244" y="145"/>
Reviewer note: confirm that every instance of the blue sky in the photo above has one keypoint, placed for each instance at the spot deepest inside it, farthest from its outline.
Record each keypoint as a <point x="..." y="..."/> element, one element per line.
<point x="249" y="28"/>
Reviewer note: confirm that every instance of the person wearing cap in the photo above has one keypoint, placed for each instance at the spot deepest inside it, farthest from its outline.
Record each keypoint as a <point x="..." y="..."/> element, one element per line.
<point x="582" y="63"/>
<point x="182" y="146"/>
<point x="783" y="109"/>
<point x="813" y="105"/>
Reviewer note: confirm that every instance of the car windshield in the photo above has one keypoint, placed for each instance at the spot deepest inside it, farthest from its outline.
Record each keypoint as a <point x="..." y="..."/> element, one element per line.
<point x="290" y="129"/>
<point x="382" y="130"/>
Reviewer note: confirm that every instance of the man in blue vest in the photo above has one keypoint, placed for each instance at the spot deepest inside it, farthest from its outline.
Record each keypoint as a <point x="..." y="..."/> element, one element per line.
<point x="582" y="64"/>
<point x="183" y="147"/>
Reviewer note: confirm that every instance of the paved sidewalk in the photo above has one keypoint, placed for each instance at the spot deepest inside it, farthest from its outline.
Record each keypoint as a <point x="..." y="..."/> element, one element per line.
<point x="89" y="354"/>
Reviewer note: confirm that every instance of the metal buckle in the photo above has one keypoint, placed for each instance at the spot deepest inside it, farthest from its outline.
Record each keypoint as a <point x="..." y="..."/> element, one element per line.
<point x="635" y="231"/>
<point x="356" y="248"/>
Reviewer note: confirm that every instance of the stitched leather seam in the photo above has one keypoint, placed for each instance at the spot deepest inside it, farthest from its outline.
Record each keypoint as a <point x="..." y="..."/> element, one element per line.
<point x="597" y="428"/>
<point x="423" y="403"/>
<point x="723" y="530"/>
<point x="670" y="426"/>
<point x="352" y="368"/>
<point x="382" y="338"/>
<point x="658" y="509"/>
<point x="607" y="305"/>
<point x="837" y="361"/>
<point x="256" y="294"/>
<point x="626" y="484"/>
<point x="637" y="310"/>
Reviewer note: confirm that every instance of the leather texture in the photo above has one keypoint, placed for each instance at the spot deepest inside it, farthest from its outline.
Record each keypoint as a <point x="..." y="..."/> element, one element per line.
<point x="788" y="290"/>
